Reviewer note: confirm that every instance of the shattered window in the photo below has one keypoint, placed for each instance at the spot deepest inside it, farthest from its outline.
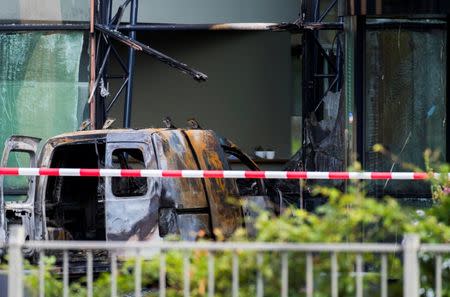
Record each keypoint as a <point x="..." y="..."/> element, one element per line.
<point x="405" y="109"/>
<point x="128" y="186"/>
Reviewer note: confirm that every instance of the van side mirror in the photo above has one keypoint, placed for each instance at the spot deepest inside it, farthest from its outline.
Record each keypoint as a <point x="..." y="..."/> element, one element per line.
<point x="167" y="222"/>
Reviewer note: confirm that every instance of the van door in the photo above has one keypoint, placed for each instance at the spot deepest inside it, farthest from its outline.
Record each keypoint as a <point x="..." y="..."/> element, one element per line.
<point x="184" y="209"/>
<point x="131" y="203"/>
<point x="17" y="193"/>
<point x="223" y="194"/>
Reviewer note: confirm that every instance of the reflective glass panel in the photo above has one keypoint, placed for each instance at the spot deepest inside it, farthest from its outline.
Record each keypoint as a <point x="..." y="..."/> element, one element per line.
<point x="43" y="84"/>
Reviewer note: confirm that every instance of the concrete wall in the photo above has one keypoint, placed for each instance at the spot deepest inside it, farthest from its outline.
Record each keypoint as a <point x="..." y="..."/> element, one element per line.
<point x="247" y="97"/>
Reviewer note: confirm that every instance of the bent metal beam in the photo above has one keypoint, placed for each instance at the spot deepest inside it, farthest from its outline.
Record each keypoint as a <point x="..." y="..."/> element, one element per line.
<point x="139" y="46"/>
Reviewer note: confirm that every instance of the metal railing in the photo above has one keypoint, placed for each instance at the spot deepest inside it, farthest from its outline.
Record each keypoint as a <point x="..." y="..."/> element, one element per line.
<point x="410" y="249"/>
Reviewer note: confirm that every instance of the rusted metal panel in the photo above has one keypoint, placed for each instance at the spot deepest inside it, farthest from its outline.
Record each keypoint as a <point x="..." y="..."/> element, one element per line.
<point x="173" y="152"/>
<point x="223" y="194"/>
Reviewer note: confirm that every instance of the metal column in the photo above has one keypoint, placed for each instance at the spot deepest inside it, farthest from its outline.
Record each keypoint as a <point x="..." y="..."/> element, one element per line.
<point x="359" y="54"/>
<point x="92" y="87"/>
<point x="447" y="101"/>
<point x="131" y="64"/>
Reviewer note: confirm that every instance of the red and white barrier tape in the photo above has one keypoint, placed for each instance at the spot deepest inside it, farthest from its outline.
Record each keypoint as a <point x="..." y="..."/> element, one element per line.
<point x="216" y="174"/>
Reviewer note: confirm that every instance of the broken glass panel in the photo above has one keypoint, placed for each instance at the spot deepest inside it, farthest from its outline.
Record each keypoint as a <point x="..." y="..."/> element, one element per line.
<point x="405" y="109"/>
<point x="43" y="84"/>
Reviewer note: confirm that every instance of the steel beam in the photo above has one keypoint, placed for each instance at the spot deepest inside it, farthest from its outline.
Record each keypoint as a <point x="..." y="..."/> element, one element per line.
<point x="139" y="46"/>
<point x="131" y="64"/>
<point x="199" y="27"/>
<point x="447" y="99"/>
<point x="293" y="27"/>
<point x="359" y="85"/>
<point x="45" y="27"/>
<point x="92" y="86"/>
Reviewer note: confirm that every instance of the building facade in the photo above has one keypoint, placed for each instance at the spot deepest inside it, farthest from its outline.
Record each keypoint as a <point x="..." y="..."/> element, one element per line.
<point x="327" y="78"/>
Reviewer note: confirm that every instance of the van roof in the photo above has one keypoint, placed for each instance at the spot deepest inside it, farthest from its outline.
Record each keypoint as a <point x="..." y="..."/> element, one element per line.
<point x="109" y="131"/>
<point x="93" y="134"/>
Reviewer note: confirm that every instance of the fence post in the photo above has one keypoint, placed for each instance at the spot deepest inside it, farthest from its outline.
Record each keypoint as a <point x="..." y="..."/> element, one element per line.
<point x="15" y="263"/>
<point x="411" y="273"/>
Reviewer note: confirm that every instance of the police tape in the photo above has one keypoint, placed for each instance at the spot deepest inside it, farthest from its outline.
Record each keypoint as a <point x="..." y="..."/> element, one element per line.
<point x="300" y="175"/>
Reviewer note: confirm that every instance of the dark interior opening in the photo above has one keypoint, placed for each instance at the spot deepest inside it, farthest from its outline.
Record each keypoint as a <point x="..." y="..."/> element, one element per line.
<point x="75" y="206"/>
<point x="128" y="186"/>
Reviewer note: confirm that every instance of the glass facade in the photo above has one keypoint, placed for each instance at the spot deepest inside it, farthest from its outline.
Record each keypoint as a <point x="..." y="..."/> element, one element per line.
<point x="49" y="11"/>
<point x="405" y="101"/>
<point x="43" y="85"/>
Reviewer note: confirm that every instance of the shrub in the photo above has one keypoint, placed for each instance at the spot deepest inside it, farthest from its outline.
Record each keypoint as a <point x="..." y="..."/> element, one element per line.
<point x="347" y="217"/>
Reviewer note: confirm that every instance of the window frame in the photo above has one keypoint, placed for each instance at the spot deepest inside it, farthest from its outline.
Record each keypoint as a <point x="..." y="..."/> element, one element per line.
<point x="366" y="25"/>
<point x="111" y="147"/>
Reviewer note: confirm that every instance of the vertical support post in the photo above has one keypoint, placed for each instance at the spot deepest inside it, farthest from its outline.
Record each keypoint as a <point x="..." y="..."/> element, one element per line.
<point x="309" y="275"/>
<point x="211" y="274"/>
<point x="411" y="279"/>
<point x="334" y="275"/>
<point x="259" y="275"/>
<point x="339" y="60"/>
<point x="447" y="99"/>
<point x="114" y="274"/>
<point x="438" y="276"/>
<point x="104" y="17"/>
<point x="186" y="274"/>
<point x="359" y="85"/>
<point x="138" y="274"/>
<point x="379" y="7"/>
<point x="131" y="63"/>
<point x="41" y="274"/>
<point x="354" y="28"/>
<point x="15" y="267"/>
<point x="162" y="274"/>
<point x="92" y="64"/>
<point x="308" y="66"/>
<point x="90" y="274"/>
<point x="65" y="273"/>
<point x="384" y="275"/>
<point x="284" y="275"/>
<point x="359" y="275"/>
<point x="235" y="275"/>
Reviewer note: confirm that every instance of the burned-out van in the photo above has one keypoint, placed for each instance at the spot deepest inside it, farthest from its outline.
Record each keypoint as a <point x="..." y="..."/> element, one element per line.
<point x="127" y="208"/>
